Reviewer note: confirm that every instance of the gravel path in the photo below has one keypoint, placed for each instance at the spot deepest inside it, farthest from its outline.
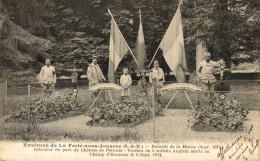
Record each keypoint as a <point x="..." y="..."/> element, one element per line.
<point x="78" y="126"/>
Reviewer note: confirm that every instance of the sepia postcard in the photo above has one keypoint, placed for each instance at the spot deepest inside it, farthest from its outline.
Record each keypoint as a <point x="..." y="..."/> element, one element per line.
<point x="129" y="80"/>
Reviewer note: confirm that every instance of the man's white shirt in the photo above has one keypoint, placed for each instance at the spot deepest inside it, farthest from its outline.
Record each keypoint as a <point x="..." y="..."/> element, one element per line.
<point x="47" y="75"/>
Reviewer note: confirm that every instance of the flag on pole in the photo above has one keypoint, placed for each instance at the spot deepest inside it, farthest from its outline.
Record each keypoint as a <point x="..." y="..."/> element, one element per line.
<point x="140" y="45"/>
<point x="172" y="46"/>
<point x="117" y="49"/>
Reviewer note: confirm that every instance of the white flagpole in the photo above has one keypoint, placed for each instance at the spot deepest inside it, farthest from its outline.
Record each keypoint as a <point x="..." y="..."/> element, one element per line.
<point x="123" y="37"/>
<point x="180" y="2"/>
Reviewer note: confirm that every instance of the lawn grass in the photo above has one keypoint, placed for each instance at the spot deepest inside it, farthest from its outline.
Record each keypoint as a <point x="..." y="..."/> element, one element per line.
<point x="21" y="133"/>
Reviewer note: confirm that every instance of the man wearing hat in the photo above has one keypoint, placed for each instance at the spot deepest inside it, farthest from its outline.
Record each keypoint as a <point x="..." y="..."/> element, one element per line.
<point x="94" y="73"/>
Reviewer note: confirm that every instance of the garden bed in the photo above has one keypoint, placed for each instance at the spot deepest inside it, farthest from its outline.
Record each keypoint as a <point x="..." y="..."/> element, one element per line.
<point x="225" y="116"/>
<point x="127" y="112"/>
<point x="48" y="109"/>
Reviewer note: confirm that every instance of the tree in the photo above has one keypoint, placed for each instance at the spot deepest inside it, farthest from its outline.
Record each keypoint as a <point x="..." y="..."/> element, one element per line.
<point x="81" y="28"/>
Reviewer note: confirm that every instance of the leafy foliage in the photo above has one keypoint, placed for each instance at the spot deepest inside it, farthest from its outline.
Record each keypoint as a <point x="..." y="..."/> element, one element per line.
<point x="48" y="109"/>
<point x="219" y="115"/>
<point x="80" y="29"/>
<point x="142" y="86"/>
<point x="128" y="111"/>
<point x="18" y="77"/>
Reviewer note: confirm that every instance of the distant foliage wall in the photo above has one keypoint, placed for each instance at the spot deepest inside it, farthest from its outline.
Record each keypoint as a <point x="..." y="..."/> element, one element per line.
<point x="80" y="29"/>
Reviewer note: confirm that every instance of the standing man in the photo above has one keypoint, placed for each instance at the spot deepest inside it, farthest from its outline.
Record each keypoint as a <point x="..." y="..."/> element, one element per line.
<point x="47" y="77"/>
<point x="206" y="70"/>
<point x="94" y="73"/>
<point x="156" y="78"/>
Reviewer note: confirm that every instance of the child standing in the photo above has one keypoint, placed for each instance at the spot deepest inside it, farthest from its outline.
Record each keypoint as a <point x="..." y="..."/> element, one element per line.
<point x="125" y="81"/>
<point x="156" y="78"/>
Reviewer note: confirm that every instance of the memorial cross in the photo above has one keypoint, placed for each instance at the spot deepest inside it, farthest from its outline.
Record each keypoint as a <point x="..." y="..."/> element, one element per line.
<point x="74" y="76"/>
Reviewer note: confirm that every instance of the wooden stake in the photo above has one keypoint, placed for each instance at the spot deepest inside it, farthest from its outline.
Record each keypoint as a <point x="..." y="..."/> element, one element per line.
<point x="153" y="107"/>
<point x="188" y="97"/>
<point x="111" y="97"/>
<point x="171" y="100"/>
<point x="94" y="102"/>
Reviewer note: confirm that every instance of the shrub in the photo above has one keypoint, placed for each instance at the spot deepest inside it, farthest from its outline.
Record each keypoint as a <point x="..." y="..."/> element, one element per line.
<point x="20" y="77"/>
<point x="48" y="109"/>
<point x="130" y="111"/>
<point x="142" y="86"/>
<point x="219" y="115"/>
